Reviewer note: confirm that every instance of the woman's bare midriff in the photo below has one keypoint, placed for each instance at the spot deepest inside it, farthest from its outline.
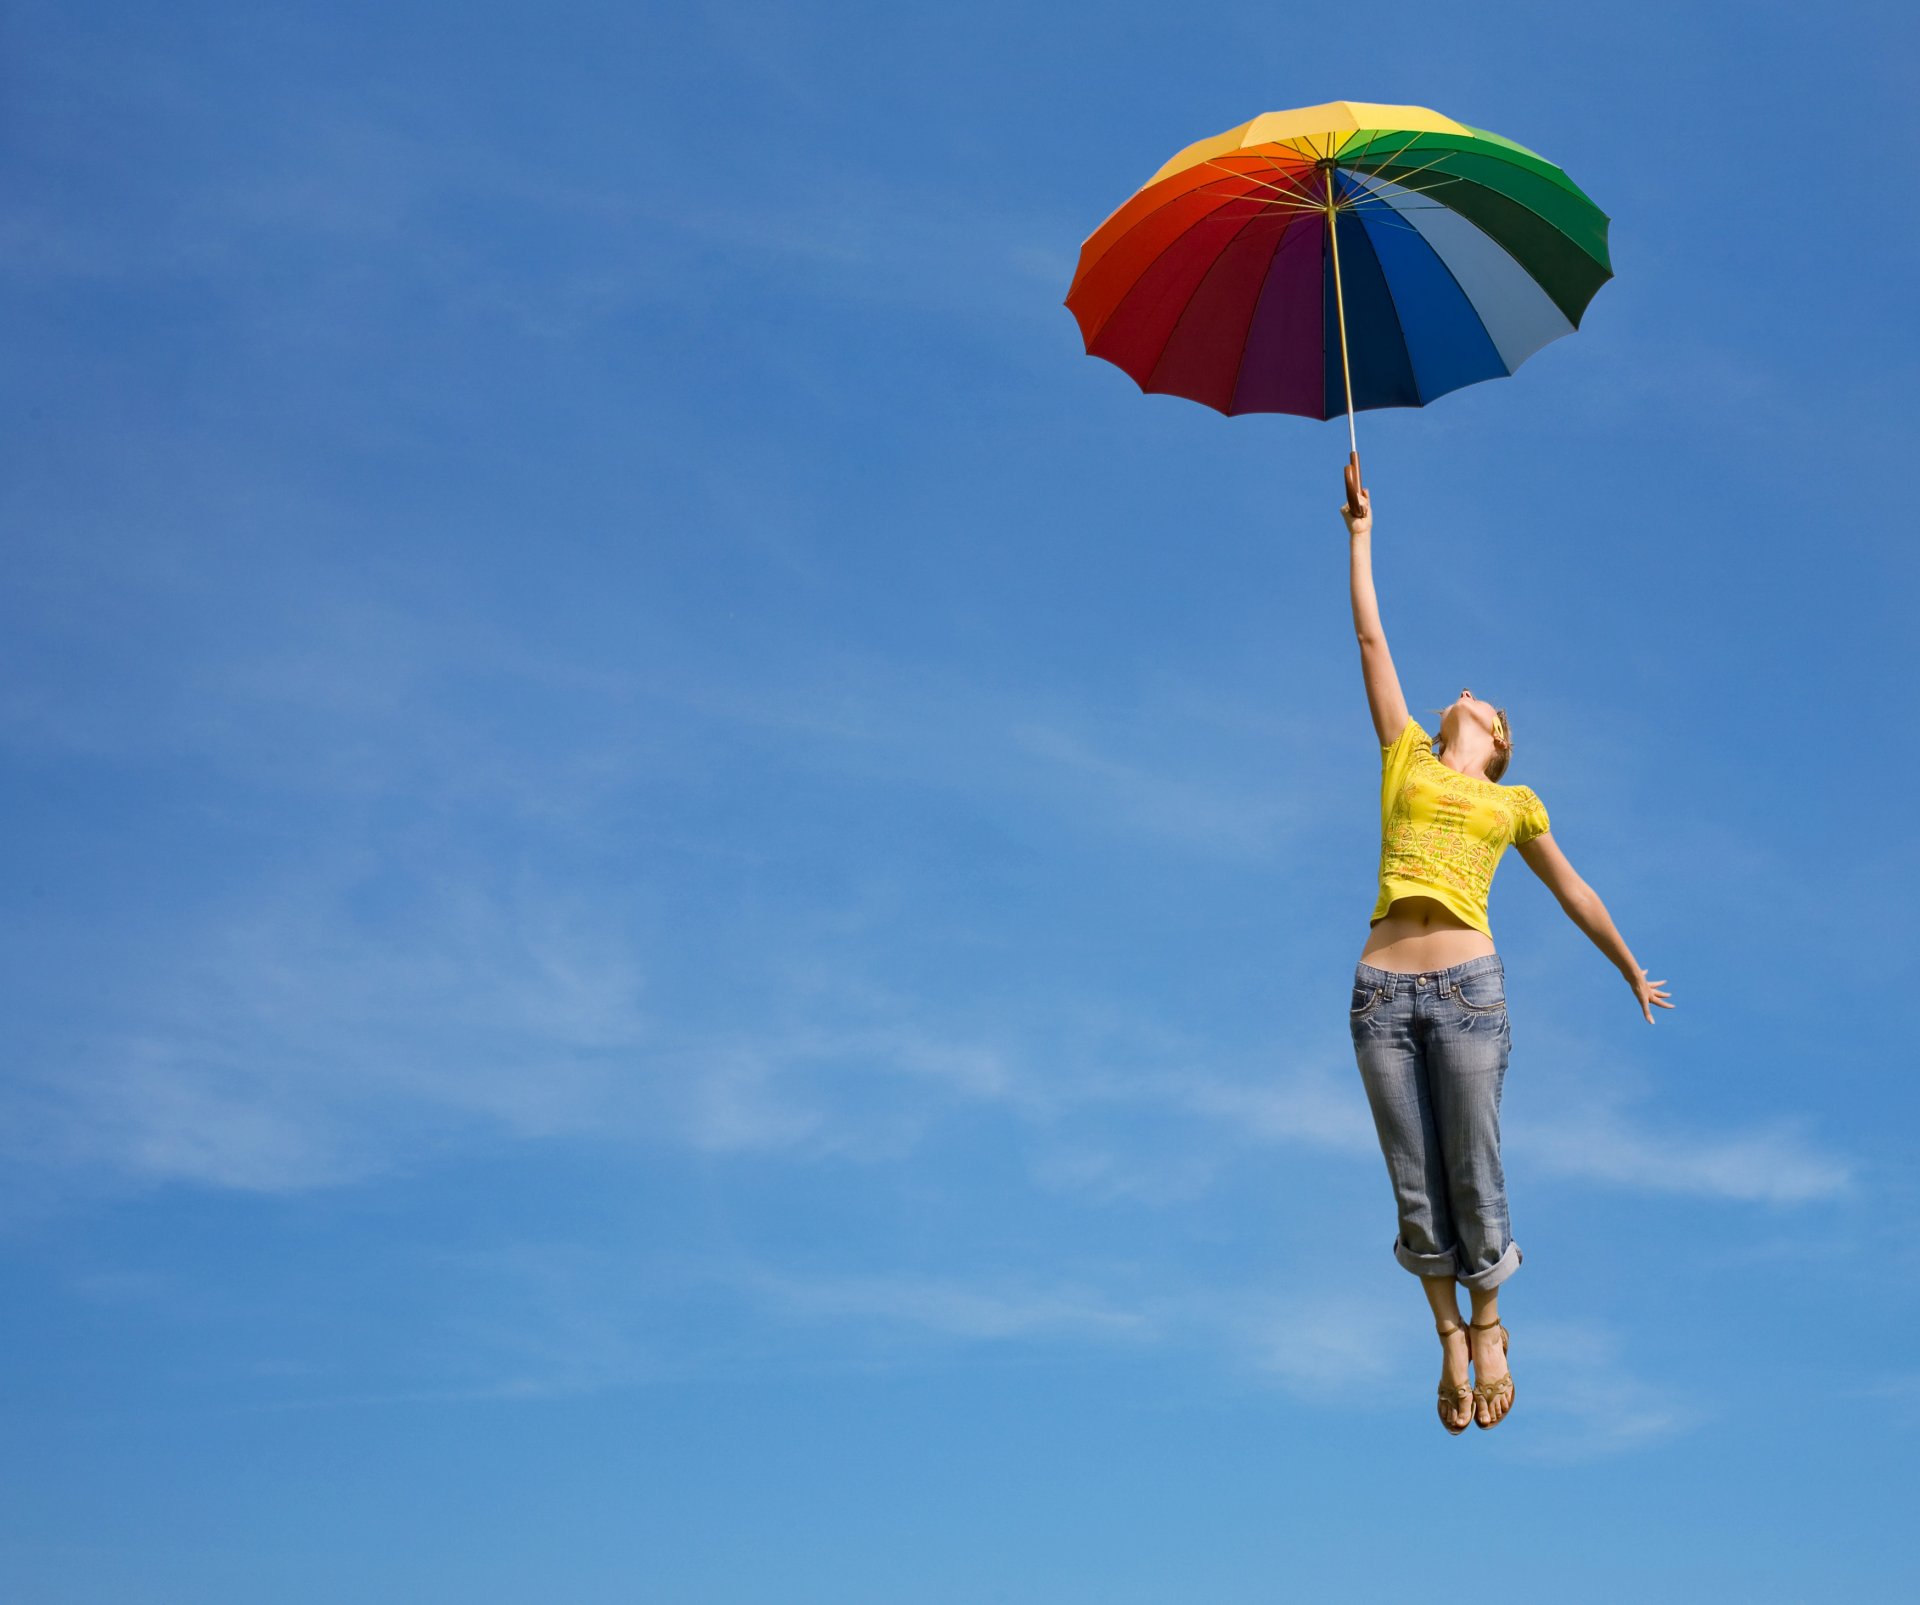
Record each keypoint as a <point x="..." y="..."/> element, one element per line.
<point x="1422" y="933"/>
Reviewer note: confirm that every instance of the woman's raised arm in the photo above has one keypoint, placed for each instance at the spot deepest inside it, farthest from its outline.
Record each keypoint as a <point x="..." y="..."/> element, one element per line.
<point x="1384" y="698"/>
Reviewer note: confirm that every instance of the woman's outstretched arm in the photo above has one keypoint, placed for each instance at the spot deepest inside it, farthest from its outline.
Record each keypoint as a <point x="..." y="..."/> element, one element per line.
<point x="1583" y="906"/>
<point x="1384" y="698"/>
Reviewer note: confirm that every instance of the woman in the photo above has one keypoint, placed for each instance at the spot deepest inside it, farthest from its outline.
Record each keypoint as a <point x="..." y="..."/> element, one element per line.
<point x="1429" y="1010"/>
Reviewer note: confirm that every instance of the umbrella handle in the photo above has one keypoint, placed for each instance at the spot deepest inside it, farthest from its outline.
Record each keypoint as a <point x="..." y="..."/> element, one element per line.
<point x="1346" y="368"/>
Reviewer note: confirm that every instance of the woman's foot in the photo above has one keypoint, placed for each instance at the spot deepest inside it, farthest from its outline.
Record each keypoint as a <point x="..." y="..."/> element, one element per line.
<point x="1456" y="1393"/>
<point x="1493" y="1385"/>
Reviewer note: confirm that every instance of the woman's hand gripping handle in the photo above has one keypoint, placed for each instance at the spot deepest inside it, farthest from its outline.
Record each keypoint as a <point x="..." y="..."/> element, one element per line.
<point x="1358" y="510"/>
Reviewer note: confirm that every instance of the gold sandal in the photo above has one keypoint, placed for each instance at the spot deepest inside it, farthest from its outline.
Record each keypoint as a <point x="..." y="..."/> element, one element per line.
<point x="1500" y="1390"/>
<point x="1454" y="1395"/>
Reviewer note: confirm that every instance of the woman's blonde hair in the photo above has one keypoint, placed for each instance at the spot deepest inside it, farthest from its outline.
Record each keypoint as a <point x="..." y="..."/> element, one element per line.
<point x="1502" y="741"/>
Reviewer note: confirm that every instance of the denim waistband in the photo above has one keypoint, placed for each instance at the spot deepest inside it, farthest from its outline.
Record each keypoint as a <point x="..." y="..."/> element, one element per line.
<point x="1441" y="980"/>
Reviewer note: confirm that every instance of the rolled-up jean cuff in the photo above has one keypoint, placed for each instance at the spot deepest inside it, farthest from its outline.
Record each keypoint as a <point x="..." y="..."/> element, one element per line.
<point x="1447" y="1264"/>
<point x="1497" y="1272"/>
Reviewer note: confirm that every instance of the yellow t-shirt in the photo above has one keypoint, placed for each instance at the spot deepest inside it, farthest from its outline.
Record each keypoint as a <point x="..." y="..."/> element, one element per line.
<point x="1442" y="832"/>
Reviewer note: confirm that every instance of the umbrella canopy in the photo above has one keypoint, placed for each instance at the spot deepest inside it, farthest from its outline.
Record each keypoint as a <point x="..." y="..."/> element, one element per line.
<point x="1386" y="247"/>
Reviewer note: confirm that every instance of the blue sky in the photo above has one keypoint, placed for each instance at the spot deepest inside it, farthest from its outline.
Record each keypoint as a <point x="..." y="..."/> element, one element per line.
<point x="681" y="891"/>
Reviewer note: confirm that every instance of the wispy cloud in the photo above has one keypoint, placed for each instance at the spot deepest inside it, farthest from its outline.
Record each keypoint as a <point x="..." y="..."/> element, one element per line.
<point x="1358" y="1349"/>
<point x="953" y="1308"/>
<point x="1328" y="1345"/>
<point x="1595" y="1401"/>
<point x="1774" y="1163"/>
<point x="1313" y="1107"/>
<point x="1899" y="1388"/>
<point x="530" y="1321"/>
<point x="1195" y="810"/>
<point x="288" y="1039"/>
<point x="152" y="1110"/>
<point x="1097" y="1168"/>
<point x="298" y="1044"/>
<point x="1326" y="1342"/>
<point x="525" y="1322"/>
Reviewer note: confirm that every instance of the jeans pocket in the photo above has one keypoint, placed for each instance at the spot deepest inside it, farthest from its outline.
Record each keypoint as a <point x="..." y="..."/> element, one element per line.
<point x="1485" y="993"/>
<point x="1366" y="998"/>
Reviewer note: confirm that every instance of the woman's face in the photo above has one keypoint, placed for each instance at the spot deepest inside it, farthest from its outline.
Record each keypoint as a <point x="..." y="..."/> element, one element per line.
<point x="1467" y="708"/>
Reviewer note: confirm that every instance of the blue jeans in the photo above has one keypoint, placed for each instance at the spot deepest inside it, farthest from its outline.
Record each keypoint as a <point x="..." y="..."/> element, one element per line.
<point x="1432" y="1047"/>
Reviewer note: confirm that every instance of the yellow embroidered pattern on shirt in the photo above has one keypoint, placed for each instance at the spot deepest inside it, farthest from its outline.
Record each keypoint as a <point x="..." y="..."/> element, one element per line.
<point x="1442" y="832"/>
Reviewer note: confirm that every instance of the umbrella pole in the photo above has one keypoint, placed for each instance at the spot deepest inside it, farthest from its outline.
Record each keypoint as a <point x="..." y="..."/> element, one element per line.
<point x="1340" y="302"/>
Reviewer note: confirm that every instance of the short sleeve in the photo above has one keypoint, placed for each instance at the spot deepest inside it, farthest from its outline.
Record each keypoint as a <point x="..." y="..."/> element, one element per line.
<point x="1532" y="820"/>
<point x="1396" y="758"/>
<point x="1395" y="753"/>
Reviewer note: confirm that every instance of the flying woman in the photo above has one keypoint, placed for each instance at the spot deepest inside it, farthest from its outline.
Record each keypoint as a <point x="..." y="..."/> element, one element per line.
<point x="1429" y="994"/>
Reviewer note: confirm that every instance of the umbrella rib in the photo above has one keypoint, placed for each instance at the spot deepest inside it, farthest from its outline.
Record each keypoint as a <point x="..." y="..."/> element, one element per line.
<point x="1294" y="174"/>
<point x="1389" y="217"/>
<point x="1429" y="187"/>
<point x="1383" y="197"/>
<point x="1263" y="209"/>
<point x="1278" y="197"/>
<point x="1246" y="177"/>
<point x="1459" y="178"/>
<point x="1282" y="216"/>
<point x="1337" y="142"/>
<point x="1412" y="138"/>
<point x="1278" y="200"/>
<point x="1268" y="207"/>
<point x="1281" y="198"/>
<point x="1373" y="179"/>
<point x="1377" y="198"/>
<point x="1238" y="172"/>
<point x="1425" y="166"/>
<point x="1279" y="193"/>
<point x="1361" y="173"/>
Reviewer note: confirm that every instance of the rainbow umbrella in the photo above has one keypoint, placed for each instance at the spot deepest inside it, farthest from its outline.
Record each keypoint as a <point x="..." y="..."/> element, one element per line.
<point x="1337" y="258"/>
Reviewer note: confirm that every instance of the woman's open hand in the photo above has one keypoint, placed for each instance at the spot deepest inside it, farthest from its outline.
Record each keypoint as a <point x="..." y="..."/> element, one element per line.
<point x="1649" y="993"/>
<point x="1360" y="523"/>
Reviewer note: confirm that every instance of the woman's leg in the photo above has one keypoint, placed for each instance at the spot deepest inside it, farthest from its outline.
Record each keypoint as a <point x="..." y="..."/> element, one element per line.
<point x="1467" y="1052"/>
<point x="1393" y="1069"/>
<point x="1455" y="1356"/>
<point x="1489" y="1353"/>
